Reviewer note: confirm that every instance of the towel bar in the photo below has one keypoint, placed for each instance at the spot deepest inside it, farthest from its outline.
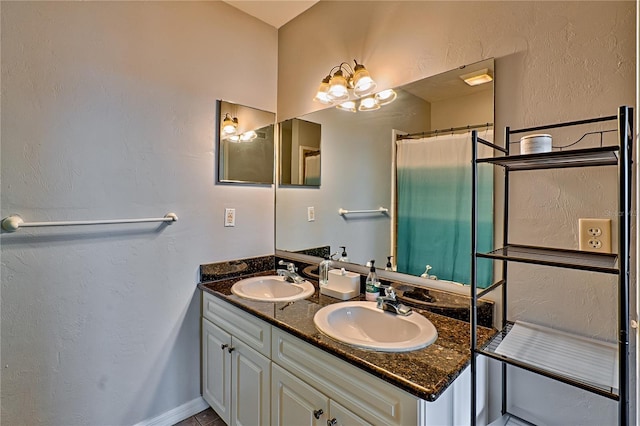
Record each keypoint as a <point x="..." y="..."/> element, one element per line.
<point x="14" y="222"/>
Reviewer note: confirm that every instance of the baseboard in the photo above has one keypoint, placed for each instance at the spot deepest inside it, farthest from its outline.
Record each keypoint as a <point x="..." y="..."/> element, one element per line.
<point x="171" y="417"/>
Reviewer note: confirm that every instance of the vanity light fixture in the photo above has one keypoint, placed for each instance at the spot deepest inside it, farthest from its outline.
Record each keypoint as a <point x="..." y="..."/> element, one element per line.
<point x="344" y="81"/>
<point x="477" y="77"/>
<point x="335" y="87"/>
<point x="229" y="125"/>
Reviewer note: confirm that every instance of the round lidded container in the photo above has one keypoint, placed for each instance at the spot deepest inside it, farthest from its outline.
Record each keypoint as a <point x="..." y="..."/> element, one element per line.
<point x="535" y="144"/>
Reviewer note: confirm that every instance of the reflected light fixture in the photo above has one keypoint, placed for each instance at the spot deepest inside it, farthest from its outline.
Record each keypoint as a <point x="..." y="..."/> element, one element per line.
<point x="477" y="77"/>
<point x="248" y="136"/>
<point x="229" y="125"/>
<point x="347" y="106"/>
<point x="368" y="104"/>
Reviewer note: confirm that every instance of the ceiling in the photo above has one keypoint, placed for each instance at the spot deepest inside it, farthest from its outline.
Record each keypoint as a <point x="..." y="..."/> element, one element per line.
<point x="274" y="12"/>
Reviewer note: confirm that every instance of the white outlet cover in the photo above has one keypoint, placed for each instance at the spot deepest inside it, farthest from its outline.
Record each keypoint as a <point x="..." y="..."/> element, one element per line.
<point x="229" y="217"/>
<point x="311" y="214"/>
<point x="595" y="235"/>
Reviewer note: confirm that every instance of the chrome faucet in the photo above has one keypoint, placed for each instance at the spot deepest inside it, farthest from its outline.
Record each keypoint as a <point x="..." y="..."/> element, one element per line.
<point x="389" y="303"/>
<point x="290" y="273"/>
<point x="427" y="275"/>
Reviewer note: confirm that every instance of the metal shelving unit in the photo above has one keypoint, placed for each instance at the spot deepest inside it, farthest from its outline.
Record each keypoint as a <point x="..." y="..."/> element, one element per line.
<point x="564" y="345"/>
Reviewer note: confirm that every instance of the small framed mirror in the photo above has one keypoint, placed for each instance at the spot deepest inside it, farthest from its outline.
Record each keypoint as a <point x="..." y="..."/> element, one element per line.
<point x="245" y="140"/>
<point x="300" y="152"/>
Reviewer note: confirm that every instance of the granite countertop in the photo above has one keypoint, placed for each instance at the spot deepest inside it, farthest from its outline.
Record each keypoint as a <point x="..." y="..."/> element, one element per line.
<point x="425" y="373"/>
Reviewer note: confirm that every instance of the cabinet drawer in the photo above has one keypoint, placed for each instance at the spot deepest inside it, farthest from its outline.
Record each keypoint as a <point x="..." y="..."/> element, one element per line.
<point x="373" y="399"/>
<point x="251" y="330"/>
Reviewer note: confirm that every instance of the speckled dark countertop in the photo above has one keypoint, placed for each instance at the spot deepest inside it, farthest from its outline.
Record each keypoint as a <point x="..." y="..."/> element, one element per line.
<point x="425" y="373"/>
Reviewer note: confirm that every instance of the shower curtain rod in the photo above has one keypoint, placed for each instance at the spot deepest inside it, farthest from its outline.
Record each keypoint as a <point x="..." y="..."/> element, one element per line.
<point x="435" y="132"/>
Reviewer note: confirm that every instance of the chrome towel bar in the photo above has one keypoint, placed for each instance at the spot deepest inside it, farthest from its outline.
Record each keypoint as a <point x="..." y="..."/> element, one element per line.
<point x="14" y="222"/>
<point x="382" y="210"/>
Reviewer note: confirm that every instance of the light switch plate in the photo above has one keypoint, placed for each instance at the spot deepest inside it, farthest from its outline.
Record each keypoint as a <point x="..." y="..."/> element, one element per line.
<point x="229" y="217"/>
<point x="311" y="214"/>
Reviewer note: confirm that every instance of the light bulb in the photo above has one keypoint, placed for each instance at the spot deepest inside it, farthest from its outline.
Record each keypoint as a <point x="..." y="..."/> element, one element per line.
<point x="386" y="96"/>
<point x="363" y="84"/>
<point x="347" y="106"/>
<point x="368" y="104"/>
<point x="322" y="95"/>
<point x="229" y="126"/>
<point x="338" y="88"/>
<point x="248" y="136"/>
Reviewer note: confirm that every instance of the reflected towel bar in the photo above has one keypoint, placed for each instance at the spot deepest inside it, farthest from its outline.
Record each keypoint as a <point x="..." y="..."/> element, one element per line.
<point x="382" y="210"/>
<point x="14" y="222"/>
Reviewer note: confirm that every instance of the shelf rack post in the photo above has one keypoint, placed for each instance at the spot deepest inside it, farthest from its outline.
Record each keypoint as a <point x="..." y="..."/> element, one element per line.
<point x="474" y="283"/>
<point x="625" y="126"/>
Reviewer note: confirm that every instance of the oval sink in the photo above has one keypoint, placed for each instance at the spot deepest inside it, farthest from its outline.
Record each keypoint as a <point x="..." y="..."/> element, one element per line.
<point x="362" y="324"/>
<point x="272" y="288"/>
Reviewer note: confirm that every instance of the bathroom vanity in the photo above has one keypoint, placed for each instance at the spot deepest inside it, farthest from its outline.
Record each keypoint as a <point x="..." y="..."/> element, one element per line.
<point x="266" y="363"/>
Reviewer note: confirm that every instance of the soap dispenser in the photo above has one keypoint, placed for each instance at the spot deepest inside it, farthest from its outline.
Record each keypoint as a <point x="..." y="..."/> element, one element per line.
<point x="343" y="256"/>
<point x="389" y="266"/>
<point x="372" y="288"/>
<point x="323" y="271"/>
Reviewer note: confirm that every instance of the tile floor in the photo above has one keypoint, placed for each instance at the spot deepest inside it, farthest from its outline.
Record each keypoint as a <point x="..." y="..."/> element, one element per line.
<point x="207" y="417"/>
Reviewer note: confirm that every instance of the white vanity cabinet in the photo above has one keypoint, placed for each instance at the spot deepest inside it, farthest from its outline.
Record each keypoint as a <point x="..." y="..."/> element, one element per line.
<point x="349" y="391"/>
<point x="256" y="374"/>
<point x="236" y="369"/>
<point x="297" y="403"/>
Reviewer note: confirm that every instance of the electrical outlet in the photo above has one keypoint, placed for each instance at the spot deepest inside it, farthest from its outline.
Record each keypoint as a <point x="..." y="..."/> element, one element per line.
<point x="311" y="214"/>
<point x="595" y="235"/>
<point x="229" y="217"/>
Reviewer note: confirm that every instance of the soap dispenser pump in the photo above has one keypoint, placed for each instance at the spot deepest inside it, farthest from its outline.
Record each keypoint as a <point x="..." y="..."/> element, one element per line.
<point x="323" y="271"/>
<point x="343" y="256"/>
<point x="389" y="266"/>
<point x="372" y="289"/>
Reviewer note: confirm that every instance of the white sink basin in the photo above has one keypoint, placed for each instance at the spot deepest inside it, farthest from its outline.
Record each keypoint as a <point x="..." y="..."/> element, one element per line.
<point x="272" y="288"/>
<point x="363" y="325"/>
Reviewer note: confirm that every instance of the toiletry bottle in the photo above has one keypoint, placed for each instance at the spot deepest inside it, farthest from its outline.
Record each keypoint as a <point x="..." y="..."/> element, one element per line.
<point x="389" y="266"/>
<point x="372" y="290"/>
<point x="323" y="271"/>
<point x="343" y="256"/>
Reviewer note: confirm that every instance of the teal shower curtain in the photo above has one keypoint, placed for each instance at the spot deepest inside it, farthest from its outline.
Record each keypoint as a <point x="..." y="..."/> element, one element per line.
<point x="434" y="207"/>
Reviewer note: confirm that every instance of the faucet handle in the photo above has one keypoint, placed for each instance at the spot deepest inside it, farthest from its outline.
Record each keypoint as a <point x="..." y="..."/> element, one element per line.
<point x="390" y="293"/>
<point x="291" y="267"/>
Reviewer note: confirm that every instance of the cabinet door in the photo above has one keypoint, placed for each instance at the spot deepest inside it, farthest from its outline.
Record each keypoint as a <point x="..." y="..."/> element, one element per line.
<point x="250" y="380"/>
<point x="295" y="402"/>
<point x="216" y="369"/>
<point x="340" y="416"/>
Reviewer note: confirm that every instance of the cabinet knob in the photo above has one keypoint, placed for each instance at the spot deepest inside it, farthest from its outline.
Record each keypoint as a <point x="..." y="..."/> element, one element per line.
<point x="231" y="349"/>
<point x="318" y="413"/>
<point x="224" y="345"/>
<point x="332" y="422"/>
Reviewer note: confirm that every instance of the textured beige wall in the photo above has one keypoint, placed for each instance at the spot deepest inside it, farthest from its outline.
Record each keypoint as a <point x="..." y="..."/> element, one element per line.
<point x="555" y="61"/>
<point x="109" y="111"/>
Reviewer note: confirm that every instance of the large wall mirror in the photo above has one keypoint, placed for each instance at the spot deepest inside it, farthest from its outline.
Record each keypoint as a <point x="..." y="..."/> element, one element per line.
<point x="245" y="139"/>
<point x="388" y="168"/>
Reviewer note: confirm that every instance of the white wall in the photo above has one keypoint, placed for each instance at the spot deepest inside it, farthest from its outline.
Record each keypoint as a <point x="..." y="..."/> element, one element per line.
<point x="108" y="111"/>
<point x="555" y="61"/>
